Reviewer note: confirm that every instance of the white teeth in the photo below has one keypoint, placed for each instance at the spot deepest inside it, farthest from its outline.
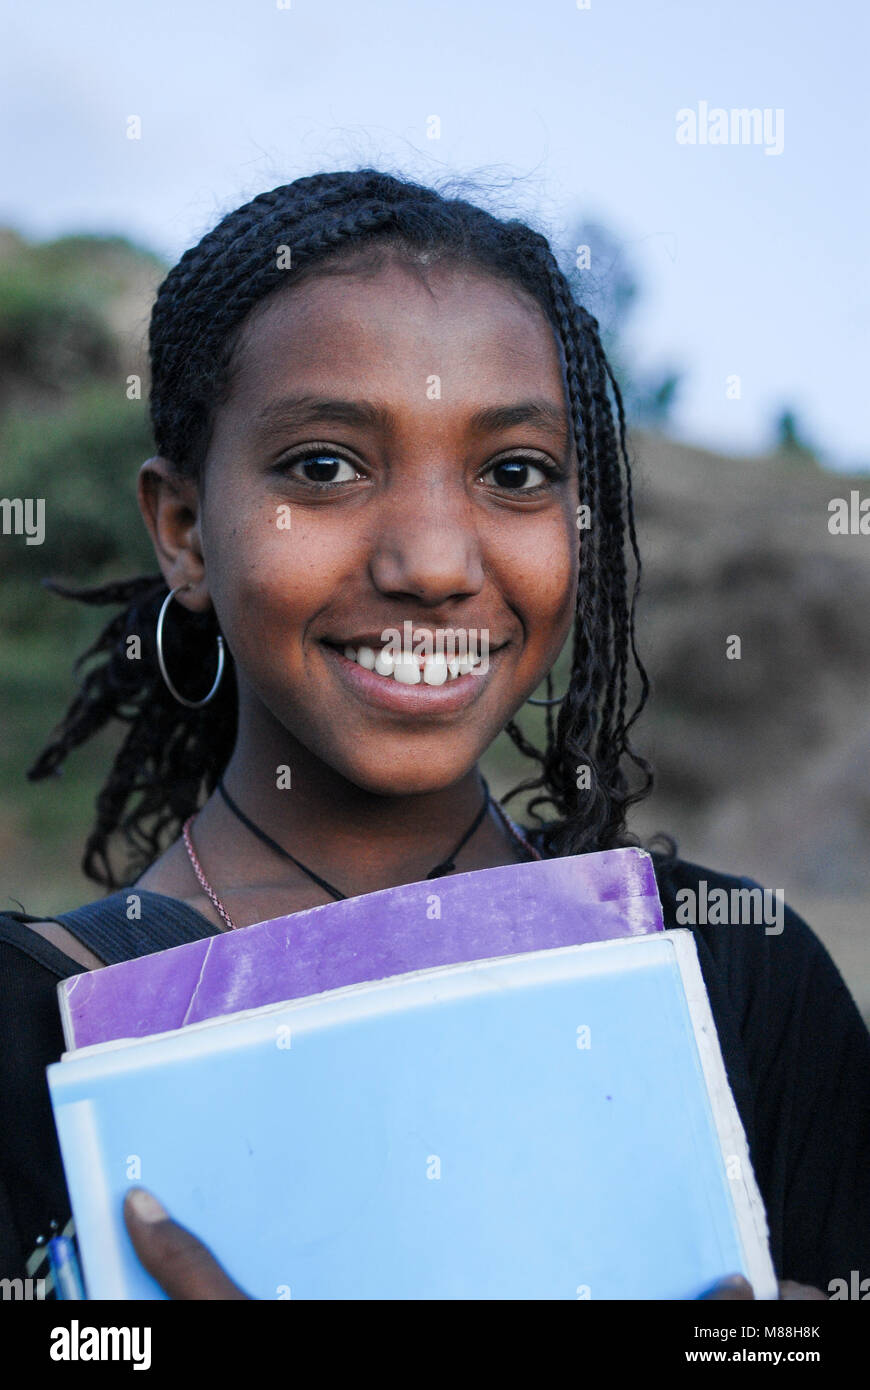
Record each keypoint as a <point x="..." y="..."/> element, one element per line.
<point x="407" y="671"/>
<point x="435" y="670"/>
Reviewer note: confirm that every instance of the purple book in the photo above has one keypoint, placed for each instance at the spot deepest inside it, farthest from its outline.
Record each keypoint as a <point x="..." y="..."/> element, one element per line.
<point x="474" y="916"/>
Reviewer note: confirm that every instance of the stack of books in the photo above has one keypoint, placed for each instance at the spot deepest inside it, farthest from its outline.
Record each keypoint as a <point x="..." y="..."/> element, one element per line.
<point x="501" y="1084"/>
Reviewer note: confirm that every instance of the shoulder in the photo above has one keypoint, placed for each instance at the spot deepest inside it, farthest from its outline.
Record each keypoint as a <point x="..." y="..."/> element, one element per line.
<point x="131" y="922"/>
<point x="30" y="1032"/>
<point x="59" y="937"/>
<point x="797" y="1054"/>
<point x="31" y="967"/>
<point x="767" y="955"/>
<point x="771" y="980"/>
<point x="805" y="1044"/>
<point x="807" y="1055"/>
<point x="32" y="1186"/>
<point x="29" y="945"/>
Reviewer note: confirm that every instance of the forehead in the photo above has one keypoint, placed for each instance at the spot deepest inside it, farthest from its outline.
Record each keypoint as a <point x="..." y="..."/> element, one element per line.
<point x="396" y="327"/>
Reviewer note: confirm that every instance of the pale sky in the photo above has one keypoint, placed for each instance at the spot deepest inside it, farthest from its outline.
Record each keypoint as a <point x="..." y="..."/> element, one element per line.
<point x="752" y="264"/>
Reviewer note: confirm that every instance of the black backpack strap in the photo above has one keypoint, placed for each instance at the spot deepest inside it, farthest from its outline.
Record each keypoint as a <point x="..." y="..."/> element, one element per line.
<point x="134" y="922"/>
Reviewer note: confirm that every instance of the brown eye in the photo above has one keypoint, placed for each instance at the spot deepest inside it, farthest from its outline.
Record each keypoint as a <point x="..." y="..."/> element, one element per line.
<point x="323" y="468"/>
<point x="517" y="475"/>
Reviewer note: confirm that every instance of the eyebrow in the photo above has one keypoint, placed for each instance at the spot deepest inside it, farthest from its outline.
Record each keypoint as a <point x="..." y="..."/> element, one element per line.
<point x="304" y="410"/>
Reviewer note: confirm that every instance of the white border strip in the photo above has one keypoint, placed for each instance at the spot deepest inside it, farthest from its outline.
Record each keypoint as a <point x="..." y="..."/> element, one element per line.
<point x="92" y="1202"/>
<point x="748" y="1202"/>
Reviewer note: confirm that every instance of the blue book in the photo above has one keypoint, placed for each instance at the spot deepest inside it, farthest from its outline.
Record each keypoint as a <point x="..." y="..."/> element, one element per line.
<point x="555" y="1124"/>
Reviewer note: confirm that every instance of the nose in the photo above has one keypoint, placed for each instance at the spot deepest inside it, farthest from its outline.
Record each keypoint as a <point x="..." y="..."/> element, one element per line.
<point x="427" y="545"/>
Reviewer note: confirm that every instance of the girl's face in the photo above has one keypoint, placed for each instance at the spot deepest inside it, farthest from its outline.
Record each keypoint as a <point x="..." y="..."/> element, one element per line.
<point x="395" y="448"/>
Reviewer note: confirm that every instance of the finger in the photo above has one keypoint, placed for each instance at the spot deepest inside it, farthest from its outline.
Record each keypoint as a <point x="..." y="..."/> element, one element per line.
<point x="734" y="1287"/>
<point x="183" y="1266"/>
<point x="790" y="1290"/>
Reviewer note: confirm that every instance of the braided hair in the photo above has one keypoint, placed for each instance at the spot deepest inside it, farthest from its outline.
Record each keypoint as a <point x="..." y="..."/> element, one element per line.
<point x="172" y="755"/>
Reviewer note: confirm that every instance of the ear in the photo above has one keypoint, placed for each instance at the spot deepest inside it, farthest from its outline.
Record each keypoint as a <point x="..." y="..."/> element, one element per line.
<point x="170" y="508"/>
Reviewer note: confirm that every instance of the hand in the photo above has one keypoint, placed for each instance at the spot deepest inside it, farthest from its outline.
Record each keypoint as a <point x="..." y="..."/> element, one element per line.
<point x="183" y="1267"/>
<point x="186" y="1269"/>
<point x="736" y="1287"/>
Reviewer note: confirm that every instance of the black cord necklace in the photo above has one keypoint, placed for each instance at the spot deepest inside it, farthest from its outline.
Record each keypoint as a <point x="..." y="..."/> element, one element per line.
<point x="446" y="867"/>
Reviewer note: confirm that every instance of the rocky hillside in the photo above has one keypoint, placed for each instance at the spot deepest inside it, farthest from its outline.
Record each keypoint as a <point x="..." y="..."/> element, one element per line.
<point x="763" y="761"/>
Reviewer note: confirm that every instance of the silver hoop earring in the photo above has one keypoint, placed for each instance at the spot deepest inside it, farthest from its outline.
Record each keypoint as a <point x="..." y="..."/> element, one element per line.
<point x="182" y="699"/>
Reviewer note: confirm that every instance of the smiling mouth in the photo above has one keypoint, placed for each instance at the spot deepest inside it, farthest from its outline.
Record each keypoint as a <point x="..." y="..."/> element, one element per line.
<point x="433" y="670"/>
<point x="408" y="684"/>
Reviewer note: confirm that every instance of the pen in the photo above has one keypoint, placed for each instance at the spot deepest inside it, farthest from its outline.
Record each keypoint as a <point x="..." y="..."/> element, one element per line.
<point x="65" y="1268"/>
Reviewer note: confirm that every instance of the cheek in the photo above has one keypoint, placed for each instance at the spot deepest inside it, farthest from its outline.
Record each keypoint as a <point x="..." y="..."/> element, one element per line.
<point x="538" y="577"/>
<point x="274" y="577"/>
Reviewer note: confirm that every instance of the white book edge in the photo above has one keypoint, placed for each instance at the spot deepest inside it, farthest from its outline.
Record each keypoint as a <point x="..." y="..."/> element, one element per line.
<point x="103" y="1261"/>
<point x="66" y="1022"/>
<point x="748" y="1202"/>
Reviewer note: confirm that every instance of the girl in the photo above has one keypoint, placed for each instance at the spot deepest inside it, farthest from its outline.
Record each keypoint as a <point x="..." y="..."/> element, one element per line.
<point x="375" y="405"/>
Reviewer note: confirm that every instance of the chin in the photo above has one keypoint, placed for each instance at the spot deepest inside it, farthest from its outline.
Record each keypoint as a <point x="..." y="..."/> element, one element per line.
<point x="392" y="777"/>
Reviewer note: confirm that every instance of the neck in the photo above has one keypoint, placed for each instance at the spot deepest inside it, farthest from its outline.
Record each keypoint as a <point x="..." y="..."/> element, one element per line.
<point x="357" y="840"/>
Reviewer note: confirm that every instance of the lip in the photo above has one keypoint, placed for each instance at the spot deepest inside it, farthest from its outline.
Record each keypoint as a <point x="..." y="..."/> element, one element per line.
<point x="376" y="640"/>
<point x="420" y="700"/>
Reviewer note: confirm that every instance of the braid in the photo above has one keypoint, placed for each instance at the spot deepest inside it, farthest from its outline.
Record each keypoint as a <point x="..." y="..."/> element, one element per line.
<point x="592" y="730"/>
<point x="172" y="755"/>
<point x="169" y="751"/>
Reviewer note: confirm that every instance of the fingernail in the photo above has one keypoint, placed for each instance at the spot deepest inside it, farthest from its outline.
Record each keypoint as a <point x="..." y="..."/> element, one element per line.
<point x="146" y="1207"/>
